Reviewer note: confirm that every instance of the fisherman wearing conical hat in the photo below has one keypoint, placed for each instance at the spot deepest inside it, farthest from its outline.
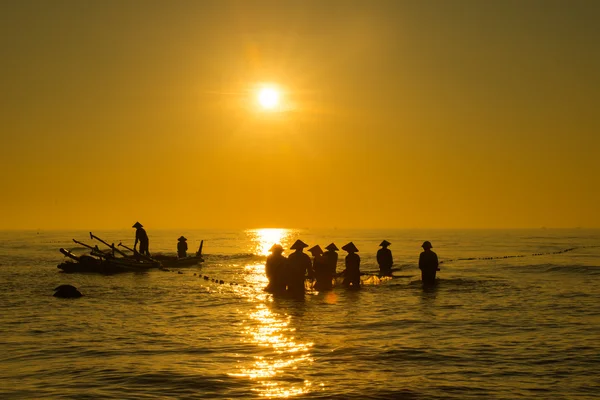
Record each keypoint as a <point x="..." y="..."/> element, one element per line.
<point x="352" y="271"/>
<point x="384" y="259"/>
<point x="331" y="258"/>
<point x="299" y="266"/>
<point x="275" y="269"/>
<point x="428" y="263"/>
<point x="142" y="237"/>
<point x="182" y="247"/>
<point x="321" y="270"/>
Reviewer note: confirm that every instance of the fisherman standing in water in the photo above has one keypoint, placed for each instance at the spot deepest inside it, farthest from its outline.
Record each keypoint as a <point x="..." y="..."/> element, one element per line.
<point x="299" y="265"/>
<point x="275" y="270"/>
<point x="142" y="237"/>
<point x="352" y="271"/>
<point x="428" y="263"/>
<point x="384" y="259"/>
<point x="182" y="247"/>
<point x="320" y="269"/>
<point x="331" y="258"/>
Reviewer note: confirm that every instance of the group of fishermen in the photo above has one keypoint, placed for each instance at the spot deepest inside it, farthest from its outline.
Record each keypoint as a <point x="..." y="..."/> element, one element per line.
<point x="287" y="275"/>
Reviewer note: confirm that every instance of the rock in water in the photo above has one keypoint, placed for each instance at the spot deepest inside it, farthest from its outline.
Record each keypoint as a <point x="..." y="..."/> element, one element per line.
<point x="67" y="292"/>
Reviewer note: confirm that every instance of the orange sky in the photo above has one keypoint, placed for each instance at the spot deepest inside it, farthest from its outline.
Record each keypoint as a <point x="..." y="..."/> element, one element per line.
<point x="398" y="114"/>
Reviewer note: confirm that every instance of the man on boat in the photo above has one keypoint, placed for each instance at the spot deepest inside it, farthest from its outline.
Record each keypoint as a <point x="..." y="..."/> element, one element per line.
<point x="142" y="237"/>
<point x="182" y="247"/>
<point x="352" y="271"/>
<point x="384" y="259"/>
<point x="428" y="263"/>
<point x="299" y="265"/>
<point x="275" y="270"/>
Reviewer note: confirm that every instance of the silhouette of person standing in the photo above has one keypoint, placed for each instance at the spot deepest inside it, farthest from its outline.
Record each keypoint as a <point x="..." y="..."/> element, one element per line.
<point x="384" y="259"/>
<point x="275" y="269"/>
<point x="182" y="247"/>
<point x="352" y="271"/>
<point x="428" y="263"/>
<point x="142" y="237"/>
<point x="299" y="265"/>
<point x="321" y="270"/>
<point x="331" y="258"/>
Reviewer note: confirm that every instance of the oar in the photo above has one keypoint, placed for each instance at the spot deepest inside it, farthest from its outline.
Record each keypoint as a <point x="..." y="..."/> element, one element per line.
<point x="199" y="252"/>
<point x="112" y="246"/>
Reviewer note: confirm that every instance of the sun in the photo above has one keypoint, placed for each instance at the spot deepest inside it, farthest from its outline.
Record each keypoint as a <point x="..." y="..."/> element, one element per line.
<point x="268" y="98"/>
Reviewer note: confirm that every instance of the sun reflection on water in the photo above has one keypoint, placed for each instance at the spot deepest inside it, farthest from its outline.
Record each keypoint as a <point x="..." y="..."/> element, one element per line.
<point x="272" y="332"/>
<point x="263" y="239"/>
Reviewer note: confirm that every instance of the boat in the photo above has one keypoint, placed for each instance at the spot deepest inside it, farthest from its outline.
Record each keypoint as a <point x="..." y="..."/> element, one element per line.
<point x="103" y="263"/>
<point x="173" y="261"/>
<point x="168" y="261"/>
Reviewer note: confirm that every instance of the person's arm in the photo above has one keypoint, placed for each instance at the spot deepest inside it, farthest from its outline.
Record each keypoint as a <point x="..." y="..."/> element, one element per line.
<point x="437" y="264"/>
<point x="136" y="241"/>
<point x="421" y="261"/>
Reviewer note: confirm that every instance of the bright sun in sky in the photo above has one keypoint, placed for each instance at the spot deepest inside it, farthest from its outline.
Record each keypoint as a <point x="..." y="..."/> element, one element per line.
<point x="268" y="98"/>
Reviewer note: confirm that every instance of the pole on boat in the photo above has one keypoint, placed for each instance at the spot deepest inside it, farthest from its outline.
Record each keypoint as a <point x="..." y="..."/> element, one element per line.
<point x="112" y="246"/>
<point x="136" y="253"/>
<point x="95" y="250"/>
<point x="199" y="252"/>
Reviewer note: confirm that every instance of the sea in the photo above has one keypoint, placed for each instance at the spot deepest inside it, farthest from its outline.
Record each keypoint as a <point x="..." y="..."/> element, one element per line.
<point x="514" y="314"/>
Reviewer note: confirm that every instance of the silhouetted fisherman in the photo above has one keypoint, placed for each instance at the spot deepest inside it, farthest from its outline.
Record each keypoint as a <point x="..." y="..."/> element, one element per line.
<point x="299" y="265"/>
<point x="275" y="269"/>
<point x="142" y="237"/>
<point x="384" y="259"/>
<point x="352" y="271"/>
<point x="331" y="258"/>
<point x="321" y="270"/>
<point x="428" y="263"/>
<point x="182" y="247"/>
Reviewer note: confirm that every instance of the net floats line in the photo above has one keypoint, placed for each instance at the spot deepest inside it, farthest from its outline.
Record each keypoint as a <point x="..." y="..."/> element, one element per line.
<point x="517" y="256"/>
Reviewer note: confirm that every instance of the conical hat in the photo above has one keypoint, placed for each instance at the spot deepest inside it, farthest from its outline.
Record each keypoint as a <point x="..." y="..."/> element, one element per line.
<point x="332" y="247"/>
<point x="350" y="248"/>
<point x="182" y="238"/>
<point x="137" y="225"/>
<point x="316" y="250"/>
<point x="298" y="245"/>
<point x="385" y="243"/>
<point x="276" y="248"/>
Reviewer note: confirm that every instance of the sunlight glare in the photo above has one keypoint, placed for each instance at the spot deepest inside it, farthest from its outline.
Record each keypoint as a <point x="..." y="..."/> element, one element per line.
<point x="268" y="98"/>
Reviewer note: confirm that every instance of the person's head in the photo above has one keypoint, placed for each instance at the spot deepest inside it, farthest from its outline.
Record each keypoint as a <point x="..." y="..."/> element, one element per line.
<point x="316" y="250"/>
<point x="276" y="249"/>
<point x="426" y="245"/>
<point x="298" y="245"/>
<point x="137" y="225"/>
<point x="332" y="247"/>
<point x="384" y="244"/>
<point x="350" y="248"/>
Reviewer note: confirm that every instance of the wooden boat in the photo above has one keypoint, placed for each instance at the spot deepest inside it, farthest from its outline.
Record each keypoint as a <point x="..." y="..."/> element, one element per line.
<point x="173" y="261"/>
<point x="103" y="263"/>
<point x="168" y="261"/>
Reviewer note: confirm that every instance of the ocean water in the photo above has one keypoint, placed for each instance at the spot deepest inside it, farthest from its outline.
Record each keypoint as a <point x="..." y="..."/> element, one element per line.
<point x="492" y="328"/>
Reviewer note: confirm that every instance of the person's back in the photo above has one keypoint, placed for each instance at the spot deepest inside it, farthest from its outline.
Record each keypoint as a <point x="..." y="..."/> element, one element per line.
<point x="275" y="270"/>
<point x="322" y="273"/>
<point x="385" y="260"/>
<point x="352" y="271"/>
<point x="182" y="247"/>
<point x="298" y="265"/>
<point x="428" y="263"/>
<point x="331" y="258"/>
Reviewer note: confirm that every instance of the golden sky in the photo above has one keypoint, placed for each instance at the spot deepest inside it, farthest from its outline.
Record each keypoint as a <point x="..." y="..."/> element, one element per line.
<point x="393" y="114"/>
